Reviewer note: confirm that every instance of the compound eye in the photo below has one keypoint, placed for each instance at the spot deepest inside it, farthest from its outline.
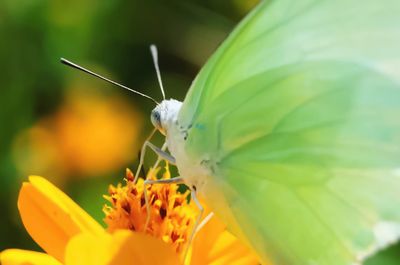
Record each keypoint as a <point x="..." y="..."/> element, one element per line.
<point x="156" y="119"/>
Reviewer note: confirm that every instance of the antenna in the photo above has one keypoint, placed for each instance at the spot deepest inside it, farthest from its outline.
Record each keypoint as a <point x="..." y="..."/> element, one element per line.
<point x="73" y="65"/>
<point x="154" y="54"/>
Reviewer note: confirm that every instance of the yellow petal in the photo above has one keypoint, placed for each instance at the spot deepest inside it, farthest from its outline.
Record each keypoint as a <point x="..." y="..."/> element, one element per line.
<point x="123" y="247"/>
<point x="25" y="257"/>
<point x="51" y="217"/>
<point x="215" y="245"/>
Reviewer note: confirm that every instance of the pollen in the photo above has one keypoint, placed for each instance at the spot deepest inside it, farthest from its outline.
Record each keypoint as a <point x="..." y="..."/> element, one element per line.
<point x="172" y="217"/>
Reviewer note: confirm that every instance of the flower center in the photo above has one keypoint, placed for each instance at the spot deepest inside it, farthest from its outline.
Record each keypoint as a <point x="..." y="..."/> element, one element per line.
<point x="171" y="216"/>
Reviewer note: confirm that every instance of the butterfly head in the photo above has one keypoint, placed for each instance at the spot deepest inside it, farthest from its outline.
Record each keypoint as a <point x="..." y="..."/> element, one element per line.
<point x="165" y="114"/>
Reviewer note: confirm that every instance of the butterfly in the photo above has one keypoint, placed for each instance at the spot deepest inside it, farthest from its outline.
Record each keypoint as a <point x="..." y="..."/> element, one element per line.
<point x="291" y="130"/>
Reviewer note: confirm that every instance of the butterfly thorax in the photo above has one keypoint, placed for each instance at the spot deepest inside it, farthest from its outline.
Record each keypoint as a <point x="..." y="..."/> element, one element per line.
<point x="165" y="118"/>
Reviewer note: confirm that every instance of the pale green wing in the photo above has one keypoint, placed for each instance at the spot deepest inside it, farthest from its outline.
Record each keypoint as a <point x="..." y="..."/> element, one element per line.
<point x="297" y="116"/>
<point x="283" y="32"/>
<point x="318" y="182"/>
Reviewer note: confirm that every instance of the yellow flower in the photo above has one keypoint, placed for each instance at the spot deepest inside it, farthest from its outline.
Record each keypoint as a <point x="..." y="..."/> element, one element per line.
<point x="171" y="216"/>
<point x="96" y="133"/>
<point x="90" y="134"/>
<point x="172" y="220"/>
<point x="70" y="236"/>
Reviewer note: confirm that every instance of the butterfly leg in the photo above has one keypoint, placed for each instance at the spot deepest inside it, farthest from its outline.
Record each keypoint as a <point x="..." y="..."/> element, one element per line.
<point x="163" y="148"/>
<point x="193" y="195"/>
<point x="177" y="180"/>
<point x="161" y="153"/>
<point x="142" y="154"/>
<point x="198" y="223"/>
<point x="204" y="222"/>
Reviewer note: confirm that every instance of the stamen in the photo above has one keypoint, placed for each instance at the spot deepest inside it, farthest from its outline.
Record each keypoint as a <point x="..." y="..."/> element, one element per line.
<point x="171" y="216"/>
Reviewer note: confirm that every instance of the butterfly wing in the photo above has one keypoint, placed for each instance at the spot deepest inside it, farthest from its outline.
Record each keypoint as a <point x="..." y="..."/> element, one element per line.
<point x="298" y="115"/>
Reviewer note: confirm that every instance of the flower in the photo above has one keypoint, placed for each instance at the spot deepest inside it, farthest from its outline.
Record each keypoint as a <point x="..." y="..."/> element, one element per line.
<point x="90" y="134"/>
<point x="172" y="219"/>
<point x="71" y="236"/>
<point x="97" y="133"/>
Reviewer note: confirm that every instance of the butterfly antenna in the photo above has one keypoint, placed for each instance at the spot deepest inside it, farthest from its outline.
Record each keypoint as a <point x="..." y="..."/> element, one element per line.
<point x="73" y="65"/>
<point x="154" y="54"/>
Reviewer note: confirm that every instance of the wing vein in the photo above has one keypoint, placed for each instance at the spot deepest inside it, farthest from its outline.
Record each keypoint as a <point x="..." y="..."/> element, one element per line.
<point x="323" y="222"/>
<point x="340" y="198"/>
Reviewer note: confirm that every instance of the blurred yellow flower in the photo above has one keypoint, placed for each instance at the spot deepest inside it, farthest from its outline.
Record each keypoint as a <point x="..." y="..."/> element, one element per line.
<point x="70" y="236"/>
<point x="90" y="134"/>
<point x="97" y="133"/>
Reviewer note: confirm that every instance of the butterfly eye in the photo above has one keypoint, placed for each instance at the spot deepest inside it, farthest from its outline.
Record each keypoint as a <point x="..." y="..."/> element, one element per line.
<point x="156" y="119"/>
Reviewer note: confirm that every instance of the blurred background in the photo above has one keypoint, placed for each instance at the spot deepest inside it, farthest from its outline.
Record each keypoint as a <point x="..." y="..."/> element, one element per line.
<point x="79" y="132"/>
